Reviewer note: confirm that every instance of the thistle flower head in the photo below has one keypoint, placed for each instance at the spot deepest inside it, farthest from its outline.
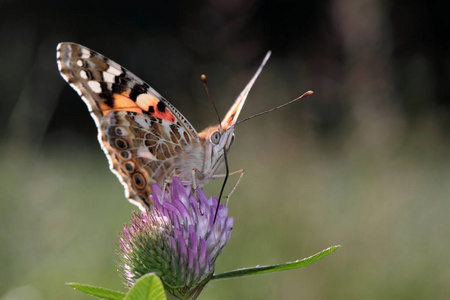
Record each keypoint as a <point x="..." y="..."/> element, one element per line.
<point x="177" y="239"/>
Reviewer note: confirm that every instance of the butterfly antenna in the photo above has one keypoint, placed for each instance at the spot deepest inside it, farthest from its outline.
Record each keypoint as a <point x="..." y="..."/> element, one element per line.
<point x="227" y="171"/>
<point x="275" y="108"/>
<point x="210" y="99"/>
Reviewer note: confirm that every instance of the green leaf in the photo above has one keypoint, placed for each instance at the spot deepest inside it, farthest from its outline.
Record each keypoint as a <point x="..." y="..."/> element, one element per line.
<point x="276" y="268"/>
<point x="97" y="291"/>
<point x="148" y="287"/>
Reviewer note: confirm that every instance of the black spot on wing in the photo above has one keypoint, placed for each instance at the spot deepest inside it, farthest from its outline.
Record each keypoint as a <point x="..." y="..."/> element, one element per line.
<point x="106" y="94"/>
<point x="129" y="167"/>
<point x="139" y="180"/>
<point x="120" y="80"/>
<point x="109" y="99"/>
<point x="88" y="75"/>
<point x="138" y="89"/>
<point x="161" y="106"/>
<point x="119" y="88"/>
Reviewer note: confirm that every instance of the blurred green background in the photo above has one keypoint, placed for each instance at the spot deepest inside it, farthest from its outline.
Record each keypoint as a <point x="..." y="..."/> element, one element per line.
<point x="363" y="162"/>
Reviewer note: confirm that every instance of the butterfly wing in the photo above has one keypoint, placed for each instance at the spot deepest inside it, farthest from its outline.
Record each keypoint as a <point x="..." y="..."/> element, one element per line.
<point x="233" y="113"/>
<point x="140" y="132"/>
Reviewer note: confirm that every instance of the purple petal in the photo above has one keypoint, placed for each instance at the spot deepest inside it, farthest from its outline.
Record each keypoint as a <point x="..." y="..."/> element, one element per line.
<point x="202" y="226"/>
<point x="125" y="232"/>
<point x="178" y="191"/>
<point x="202" y="254"/>
<point x="170" y="207"/>
<point x="182" y="210"/>
<point x="204" y="205"/>
<point x="191" y="259"/>
<point x="157" y="192"/>
<point x="181" y="242"/>
<point x="207" y="263"/>
<point x="188" y="189"/>
<point x="196" y="270"/>
<point x="193" y="238"/>
<point x="173" y="244"/>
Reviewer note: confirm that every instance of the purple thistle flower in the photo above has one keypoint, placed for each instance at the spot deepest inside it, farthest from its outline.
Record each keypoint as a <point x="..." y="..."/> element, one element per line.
<point x="176" y="239"/>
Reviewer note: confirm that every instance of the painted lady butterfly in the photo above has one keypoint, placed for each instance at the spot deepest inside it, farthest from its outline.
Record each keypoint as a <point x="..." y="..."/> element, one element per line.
<point x="145" y="138"/>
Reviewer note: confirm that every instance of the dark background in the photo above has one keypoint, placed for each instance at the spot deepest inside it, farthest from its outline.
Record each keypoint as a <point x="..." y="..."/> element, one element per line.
<point x="363" y="162"/>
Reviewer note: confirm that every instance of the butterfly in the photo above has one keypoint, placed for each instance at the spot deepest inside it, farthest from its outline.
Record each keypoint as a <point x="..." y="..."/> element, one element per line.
<point x="145" y="138"/>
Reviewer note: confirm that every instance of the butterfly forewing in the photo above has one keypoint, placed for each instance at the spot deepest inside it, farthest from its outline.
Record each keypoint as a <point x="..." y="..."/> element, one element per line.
<point x="140" y="132"/>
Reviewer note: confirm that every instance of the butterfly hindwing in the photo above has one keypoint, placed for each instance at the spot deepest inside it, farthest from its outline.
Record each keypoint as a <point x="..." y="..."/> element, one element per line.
<point x="142" y="150"/>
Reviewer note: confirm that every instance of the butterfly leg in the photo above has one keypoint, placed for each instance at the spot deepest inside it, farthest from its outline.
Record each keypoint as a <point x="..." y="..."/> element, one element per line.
<point x="241" y="172"/>
<point x="166" y="183"/>
<point x="196" y="174"/>
<point x="194" y="186"/>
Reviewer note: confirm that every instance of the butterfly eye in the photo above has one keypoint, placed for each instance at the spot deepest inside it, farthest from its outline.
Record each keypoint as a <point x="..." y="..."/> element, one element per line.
<point x="215" y="137"/>
<point x="232" y="140"/>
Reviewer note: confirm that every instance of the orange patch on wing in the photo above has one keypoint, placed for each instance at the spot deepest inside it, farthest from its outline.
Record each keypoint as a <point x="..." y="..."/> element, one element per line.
<point x="145" y="101"/>
<point x="120" y="102"/>
<point x="104" y="107"/>
<point x="166" y="115"/>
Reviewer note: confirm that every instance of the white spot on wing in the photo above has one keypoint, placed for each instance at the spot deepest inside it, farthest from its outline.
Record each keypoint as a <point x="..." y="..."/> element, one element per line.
<point x="108" y="77"/>
<point x="85" y="53"/>
<point x="114" y="70"/>
<point x="144" y="153"/>
<point x="80" y="63"/>
<point x="142" y="122"/>
<point x="95" y="86"/>
<point x="144" y="101"/>
<point x="83" y="74"/>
